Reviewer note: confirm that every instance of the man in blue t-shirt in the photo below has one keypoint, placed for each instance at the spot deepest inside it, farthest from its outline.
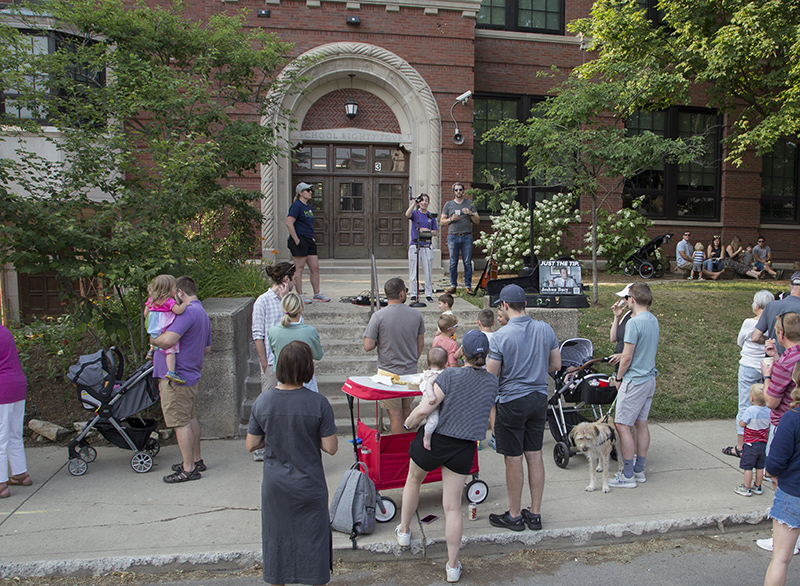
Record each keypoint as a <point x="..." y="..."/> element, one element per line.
<point x="521" y="353"/>
<point x="636" y="380"/>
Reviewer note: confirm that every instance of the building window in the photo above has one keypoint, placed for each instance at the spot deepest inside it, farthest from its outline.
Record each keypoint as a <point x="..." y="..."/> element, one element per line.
<point x="532" y="16"/>
<point x="779" y="184"/>
<point x="652" y="12"/>
<point x="688" y="191"/>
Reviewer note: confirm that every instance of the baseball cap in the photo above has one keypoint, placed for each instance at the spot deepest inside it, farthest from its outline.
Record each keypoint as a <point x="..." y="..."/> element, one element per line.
<point x="511" y="294"/>
<point x="302" y="187"/>
<point x="795" y="278"/>
<point x="475" y="342"/>
<point x="625" y="292"/>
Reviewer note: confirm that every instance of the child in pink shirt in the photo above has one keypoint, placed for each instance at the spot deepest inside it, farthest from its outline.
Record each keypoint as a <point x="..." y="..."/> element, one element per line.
<point x="160" y="311"/>
<point x="447" y="328"/>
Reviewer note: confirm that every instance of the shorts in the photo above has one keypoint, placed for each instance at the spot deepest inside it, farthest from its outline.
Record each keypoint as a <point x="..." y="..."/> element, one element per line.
<point x="307" y="246"/>
<point x="519" y="424"/>
<point x="457" y="455"/>
<point x="786" y="509"/>
<point x="268" y="378"/>
<point x="633" y="402"/>
<point x="397" y="404"/>
<point x="754" y="456"/>
<point x="177" y="403"/>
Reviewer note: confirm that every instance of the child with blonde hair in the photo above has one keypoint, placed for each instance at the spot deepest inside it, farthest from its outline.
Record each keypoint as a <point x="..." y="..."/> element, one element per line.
<point x="292" y="328"/>
<point x="697" y="262"/>
<point x="437" y="362"/>
<point x="755" y="421"/>
<point x="444" y="338"/>
<point x="160" y="311"/>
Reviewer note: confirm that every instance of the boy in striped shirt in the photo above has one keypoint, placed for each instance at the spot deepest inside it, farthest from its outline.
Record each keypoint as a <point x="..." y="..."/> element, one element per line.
<point x="755" y="421"/>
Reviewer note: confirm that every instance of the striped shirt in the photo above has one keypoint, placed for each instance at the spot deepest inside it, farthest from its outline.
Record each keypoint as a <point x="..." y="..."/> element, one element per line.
<point x="266" y="313"/>
<point x="469" y="394"/>
<point x="757" y="420"/>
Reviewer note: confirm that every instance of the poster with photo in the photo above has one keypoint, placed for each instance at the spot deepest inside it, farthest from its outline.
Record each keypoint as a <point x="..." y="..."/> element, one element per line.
<point x="560" y="277"/>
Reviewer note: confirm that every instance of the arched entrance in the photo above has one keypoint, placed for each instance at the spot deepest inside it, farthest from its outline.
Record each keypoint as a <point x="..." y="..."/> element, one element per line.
<point x="360" y="209"/>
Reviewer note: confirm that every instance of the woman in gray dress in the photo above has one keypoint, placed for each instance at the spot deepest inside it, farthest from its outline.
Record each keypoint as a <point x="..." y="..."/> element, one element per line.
<point x="293" y="424"/>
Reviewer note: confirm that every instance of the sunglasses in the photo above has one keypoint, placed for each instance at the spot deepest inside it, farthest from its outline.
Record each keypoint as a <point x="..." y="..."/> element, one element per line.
<point x="458" y="189"/>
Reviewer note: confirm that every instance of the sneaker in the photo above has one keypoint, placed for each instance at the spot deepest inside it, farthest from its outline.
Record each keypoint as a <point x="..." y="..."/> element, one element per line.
<point x="507" y="522"/>
<point x="150" y="354"/>
<point x="199" y="466"/>
<point x="451" y="291"/>
<point x="321" y="297"/>
<point x="766" y="544"/>
<point x="429" y="299"/>
<point x="622" y="481"/>
<point x="757" y="490"/>
<point x="175" y="377"/>
<point x="305" y="299"/>
<point x="690" y="278"/>
<point x="743" y="490"/>
<point x="413" y="299"/>
<point x="493" y="443"/>
<point x="403" y="539"/>
<point x="258" y="455"/>
<point x="453" y="574"/>
<point x="640" y="477"/>
<point x="700" y="279"/>
<point x="534" y="522"/>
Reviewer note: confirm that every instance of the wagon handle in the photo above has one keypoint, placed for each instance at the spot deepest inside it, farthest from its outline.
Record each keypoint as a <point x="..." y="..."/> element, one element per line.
<point x="353" y="425"/>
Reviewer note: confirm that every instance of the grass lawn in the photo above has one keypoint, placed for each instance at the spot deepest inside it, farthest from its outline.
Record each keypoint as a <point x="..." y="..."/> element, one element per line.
<point x="698" y="359"/>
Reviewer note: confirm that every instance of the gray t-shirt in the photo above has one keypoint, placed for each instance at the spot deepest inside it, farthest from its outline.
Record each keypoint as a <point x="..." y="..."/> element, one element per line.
<point x="761" y="253"/>
<point x="523" y="346"/>
<point x="766" y="323"/>
<point x="395" y="328"/>
<point x="687" y="248"/>
<point x="459" y="223"/>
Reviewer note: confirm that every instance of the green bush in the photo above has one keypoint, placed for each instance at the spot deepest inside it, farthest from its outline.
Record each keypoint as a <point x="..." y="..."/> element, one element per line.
<point x="619" y="234"/>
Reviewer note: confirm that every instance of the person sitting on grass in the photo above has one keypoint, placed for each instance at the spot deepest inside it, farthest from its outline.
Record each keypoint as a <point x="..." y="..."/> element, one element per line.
<point x="755" y="421"/>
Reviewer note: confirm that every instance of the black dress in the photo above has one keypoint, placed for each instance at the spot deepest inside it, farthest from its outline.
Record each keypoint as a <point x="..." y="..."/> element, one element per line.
<point x="297" y="544"/>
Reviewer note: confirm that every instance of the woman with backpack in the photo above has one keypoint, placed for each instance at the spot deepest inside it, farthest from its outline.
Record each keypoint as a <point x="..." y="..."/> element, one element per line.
<point x="294" y="425"/>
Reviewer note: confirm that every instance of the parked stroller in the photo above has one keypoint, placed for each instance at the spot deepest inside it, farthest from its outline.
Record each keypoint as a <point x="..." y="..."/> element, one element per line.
<point x="579" y="384"/>
<point x="96" y="378"/>
<point x="645" y="261"/>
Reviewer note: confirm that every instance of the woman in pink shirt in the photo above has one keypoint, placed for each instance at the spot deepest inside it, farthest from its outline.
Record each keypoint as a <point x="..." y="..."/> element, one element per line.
<point x="13" y="390"/>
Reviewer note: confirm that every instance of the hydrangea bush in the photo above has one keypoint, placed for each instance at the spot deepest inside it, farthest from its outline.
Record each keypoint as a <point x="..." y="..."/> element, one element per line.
<point x="552" y="219"/>
<point x="619" y="234"/>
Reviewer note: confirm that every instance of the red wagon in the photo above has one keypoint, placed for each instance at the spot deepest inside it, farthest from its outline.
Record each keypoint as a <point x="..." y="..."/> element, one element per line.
<point x="386" y="456"/>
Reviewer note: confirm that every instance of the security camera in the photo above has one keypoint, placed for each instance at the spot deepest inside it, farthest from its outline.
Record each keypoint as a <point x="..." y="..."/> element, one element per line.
<point x="458" y="138"/>
<point x="464" y="97"/>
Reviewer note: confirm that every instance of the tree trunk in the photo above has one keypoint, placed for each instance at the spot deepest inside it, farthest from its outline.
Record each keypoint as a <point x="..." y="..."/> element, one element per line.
<point x="594" y="248"/>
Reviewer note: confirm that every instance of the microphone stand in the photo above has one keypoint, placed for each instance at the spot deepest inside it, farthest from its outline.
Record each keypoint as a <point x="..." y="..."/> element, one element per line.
<point x="418" y="302"/>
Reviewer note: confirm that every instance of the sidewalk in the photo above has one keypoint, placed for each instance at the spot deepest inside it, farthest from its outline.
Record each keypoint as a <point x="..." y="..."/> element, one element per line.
<point x="115" y="519"/>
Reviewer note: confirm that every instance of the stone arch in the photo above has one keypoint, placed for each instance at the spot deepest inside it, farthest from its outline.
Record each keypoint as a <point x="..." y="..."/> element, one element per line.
<point x="377" y="71"/>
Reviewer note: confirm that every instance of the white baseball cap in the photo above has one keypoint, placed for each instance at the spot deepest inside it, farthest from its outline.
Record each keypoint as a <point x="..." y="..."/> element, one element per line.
<point x="625" y="292"/>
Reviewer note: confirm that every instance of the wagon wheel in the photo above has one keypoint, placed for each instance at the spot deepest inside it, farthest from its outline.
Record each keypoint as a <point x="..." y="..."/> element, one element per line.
<point x="390" y="510"/>
<point x="646" y="269"/>
<point x="141" y="462"/>
<point x="629" y="269"/>
<point x="477" y="491"/>
<point x="561" y="454"/>
<point x="659" y="270"/>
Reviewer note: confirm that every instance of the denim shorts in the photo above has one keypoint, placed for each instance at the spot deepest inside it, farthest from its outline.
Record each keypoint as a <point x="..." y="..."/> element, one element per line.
<point x="786" y="509"/>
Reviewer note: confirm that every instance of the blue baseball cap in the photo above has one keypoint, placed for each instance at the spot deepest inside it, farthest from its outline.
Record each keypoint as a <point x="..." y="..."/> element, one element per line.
<point x="475" y="342"/>
<point x="511" y="294"/>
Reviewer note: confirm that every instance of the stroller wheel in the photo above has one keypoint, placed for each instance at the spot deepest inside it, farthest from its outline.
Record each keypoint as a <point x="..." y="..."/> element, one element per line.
<point x="390" y="510"/>
<point x="77" y="467"/>
<point x="141" y="462"/>
<point x="646" y="269"/>
<point x="87" y="453"/>
<point x="152" y="447"/>
<point x="659" y="270"/>
<point x="477" y="491"/>
<point x="629" y="269"/>
<point x="561" y="454"/>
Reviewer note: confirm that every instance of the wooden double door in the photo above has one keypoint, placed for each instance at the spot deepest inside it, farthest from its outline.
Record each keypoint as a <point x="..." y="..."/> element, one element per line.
<point x="359" y="204"/>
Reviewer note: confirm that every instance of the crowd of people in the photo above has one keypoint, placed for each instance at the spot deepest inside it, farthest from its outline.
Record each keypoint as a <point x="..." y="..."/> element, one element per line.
<point x="711" y="261"/>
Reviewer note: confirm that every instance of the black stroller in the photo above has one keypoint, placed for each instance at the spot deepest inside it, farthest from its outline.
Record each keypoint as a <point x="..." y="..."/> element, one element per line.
<point x="115" y="405"/>
<point x="645" y="261"/>
<point x="577" y="383"/>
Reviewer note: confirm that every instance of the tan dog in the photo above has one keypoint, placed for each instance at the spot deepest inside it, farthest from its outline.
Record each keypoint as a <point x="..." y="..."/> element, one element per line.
<point x="595" y="441"/>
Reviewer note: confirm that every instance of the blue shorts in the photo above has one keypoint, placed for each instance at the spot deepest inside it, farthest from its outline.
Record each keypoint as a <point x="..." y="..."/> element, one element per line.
<point x="754" y="456"/>
<point x="786" y="509"/>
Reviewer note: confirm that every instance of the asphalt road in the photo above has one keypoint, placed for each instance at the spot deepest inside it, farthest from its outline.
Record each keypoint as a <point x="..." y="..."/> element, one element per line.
<point x="730" y="559"/>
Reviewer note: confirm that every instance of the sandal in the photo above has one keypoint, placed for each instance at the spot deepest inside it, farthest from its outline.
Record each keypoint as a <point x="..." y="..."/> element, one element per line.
<point x="182" y="476"/>
<point x="23" y="479"/>
<point x="4" y="492"/>
<point x="199" y="465"/>
<point x="732" y="451"/>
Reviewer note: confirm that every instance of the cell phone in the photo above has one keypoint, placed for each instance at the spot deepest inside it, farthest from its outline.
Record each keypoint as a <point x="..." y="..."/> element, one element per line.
<point x="428" y="519"/>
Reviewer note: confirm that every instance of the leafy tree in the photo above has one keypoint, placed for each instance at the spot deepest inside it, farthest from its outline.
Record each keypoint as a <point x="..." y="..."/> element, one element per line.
<point x="156" y="112"/>
<point x="746" y="53"/>
<point x="577" y="138"/>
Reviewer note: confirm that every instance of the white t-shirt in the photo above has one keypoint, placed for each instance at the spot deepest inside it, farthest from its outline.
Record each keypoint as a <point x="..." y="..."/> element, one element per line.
<point x="752" y="353"/>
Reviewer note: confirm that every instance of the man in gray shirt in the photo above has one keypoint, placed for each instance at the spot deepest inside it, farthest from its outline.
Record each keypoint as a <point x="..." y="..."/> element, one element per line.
<point x="683" y="258"/>
<point x="459" y="215"/>
<point x="762" y="254"/>
<point x="398" y="332"/>
<point x="521" y="353"/>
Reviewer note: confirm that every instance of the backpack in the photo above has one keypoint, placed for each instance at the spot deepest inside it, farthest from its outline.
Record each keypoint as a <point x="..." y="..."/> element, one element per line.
<point x="354" y="503"/>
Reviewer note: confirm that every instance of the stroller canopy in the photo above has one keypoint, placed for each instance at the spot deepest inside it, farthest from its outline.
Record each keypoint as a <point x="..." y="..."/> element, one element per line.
<point x="576" y="352"/>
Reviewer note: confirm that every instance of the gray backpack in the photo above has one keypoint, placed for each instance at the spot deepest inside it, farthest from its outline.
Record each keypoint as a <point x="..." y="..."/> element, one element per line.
<point x="353" y="505"/>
